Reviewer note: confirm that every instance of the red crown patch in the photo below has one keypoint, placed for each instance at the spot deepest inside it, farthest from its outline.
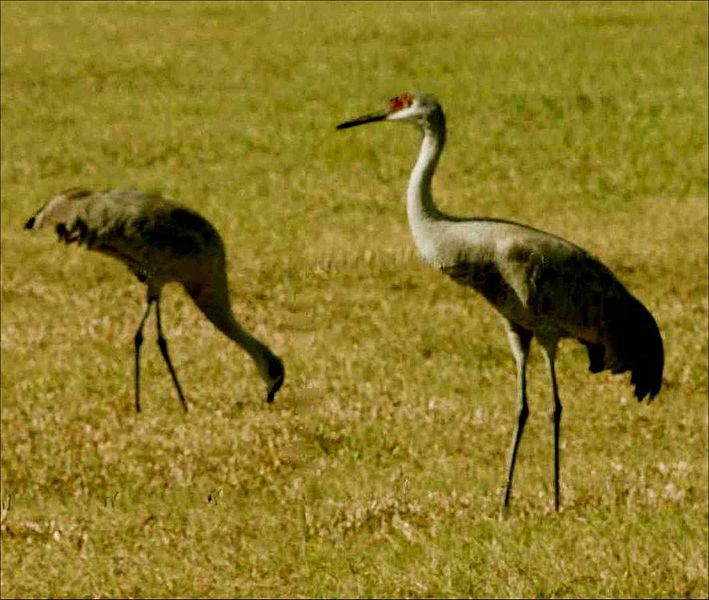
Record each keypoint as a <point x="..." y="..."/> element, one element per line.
<point x="401" y="101"/>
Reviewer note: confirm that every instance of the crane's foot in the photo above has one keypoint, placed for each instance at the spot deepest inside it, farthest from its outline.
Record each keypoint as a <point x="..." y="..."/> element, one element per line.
<point x="505" y="505"/>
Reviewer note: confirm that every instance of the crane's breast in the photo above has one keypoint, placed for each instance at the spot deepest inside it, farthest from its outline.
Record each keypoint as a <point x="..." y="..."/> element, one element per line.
<point x="485" y="278"/>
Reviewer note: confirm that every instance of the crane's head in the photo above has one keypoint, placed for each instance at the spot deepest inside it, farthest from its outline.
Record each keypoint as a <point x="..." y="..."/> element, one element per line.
<point x="275" y="376"/>
<point x="59" y="210"/>
<point x="421" y="109"/>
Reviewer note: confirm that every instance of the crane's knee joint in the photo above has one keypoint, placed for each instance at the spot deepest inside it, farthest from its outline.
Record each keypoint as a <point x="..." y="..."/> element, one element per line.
<point x="138" y="339"/>
<point x="523" y="412"/>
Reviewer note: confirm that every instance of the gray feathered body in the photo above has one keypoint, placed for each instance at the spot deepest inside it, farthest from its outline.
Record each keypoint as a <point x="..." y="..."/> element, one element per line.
<point x="554" y="288"/>
<point x="160" y="240"/>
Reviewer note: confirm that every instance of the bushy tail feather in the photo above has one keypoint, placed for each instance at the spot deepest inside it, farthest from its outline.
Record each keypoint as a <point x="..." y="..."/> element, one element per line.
<point x="647" y="372"/>
<point x="631" y="342"/>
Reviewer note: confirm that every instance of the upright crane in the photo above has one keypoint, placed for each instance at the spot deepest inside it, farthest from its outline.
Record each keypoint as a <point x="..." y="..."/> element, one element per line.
<point x="542" y="285"/>
<point x="160" y="241"/>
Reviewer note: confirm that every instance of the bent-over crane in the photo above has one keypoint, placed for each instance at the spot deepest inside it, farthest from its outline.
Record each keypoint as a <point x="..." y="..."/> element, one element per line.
<point x="160" y="241"/>
<point x="542" y="285"/>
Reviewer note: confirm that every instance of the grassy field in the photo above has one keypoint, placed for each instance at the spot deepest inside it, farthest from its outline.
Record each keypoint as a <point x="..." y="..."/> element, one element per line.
<point x="378" y="470"/>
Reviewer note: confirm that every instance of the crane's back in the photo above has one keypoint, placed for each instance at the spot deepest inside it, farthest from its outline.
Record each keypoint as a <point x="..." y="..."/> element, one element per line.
<point x="156" y="237"/>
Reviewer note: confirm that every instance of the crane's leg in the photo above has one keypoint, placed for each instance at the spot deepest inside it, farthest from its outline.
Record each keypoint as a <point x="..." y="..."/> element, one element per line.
<point x="519" y="342"/>
<point x="138" y="341"/>
<point x="549" y="348"/>
<point x="162" y="343"/>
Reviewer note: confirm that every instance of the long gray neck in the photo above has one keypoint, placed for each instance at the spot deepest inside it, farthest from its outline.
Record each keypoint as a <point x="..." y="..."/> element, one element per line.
<point x="258" y="351"/>
<point x="213" y="301"/>
<point x="420" y="208"/>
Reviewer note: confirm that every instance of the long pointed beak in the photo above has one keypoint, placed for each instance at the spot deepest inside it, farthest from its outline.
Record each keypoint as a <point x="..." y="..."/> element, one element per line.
<point x="271" y="395"/>
<point x="370" y="118"/>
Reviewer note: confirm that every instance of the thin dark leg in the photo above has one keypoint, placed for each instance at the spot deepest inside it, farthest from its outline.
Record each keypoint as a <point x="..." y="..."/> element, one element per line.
<point x="549" y="348"/>
<point x="519" y="342"/>
<point x="162" y="343"/>
<point x="138" y="341"/>
<point x="522" y="415"/>
<point x="557" y="425"/>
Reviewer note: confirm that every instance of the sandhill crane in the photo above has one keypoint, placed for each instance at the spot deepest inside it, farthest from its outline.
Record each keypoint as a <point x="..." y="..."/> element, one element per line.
<point x="542" y="285"/>
<point x="160" y="241"/>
